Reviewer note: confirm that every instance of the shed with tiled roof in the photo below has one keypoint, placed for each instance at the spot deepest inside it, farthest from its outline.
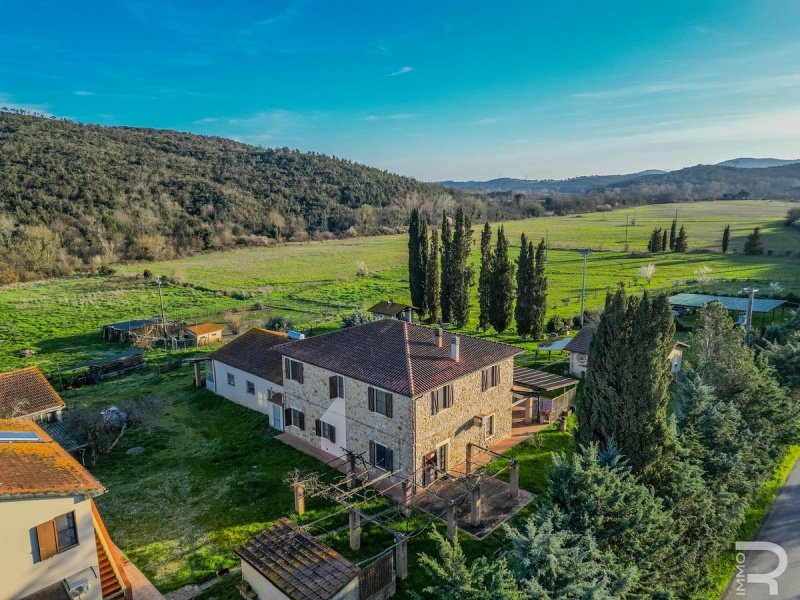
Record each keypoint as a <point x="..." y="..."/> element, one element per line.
<point x="26" y="394"/>
<point x="290" y="561"/>
<point x="205" y="333"/>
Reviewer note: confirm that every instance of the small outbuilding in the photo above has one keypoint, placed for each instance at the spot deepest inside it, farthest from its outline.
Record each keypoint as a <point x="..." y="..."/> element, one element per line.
<point x="285" y="562"/>
<point x="388" y="309"/>
<point x="204" y="333"/>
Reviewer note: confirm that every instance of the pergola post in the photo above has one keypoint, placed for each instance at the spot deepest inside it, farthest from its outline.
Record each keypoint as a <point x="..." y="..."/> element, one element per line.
<point x="469" y="458"/>
<point x="299" y="498"/>
<point x="529" y="411"/>
<point x="452" y="527"/>
<point x="475" y="506"/>
<point x="406" y="487"/>
<point x="401" y="555"/>
<point x="197" y="373"/>
<point x="355" y="530"/>
<point x="514" y="478"/>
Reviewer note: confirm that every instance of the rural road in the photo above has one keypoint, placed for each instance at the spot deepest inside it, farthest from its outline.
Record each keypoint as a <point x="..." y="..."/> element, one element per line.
<point x="781" y="526"/>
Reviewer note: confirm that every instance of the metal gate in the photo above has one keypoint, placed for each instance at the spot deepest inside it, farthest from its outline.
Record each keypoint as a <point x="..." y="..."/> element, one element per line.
<point x="376" y="580"/>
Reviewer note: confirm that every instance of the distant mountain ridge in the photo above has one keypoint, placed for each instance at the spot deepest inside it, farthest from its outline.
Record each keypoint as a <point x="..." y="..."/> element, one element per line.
<point x="738" y="177"/>
<point x="757" y="163"/>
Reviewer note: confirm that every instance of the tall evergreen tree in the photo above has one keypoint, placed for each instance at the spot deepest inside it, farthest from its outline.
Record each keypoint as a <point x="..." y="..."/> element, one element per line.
<point x="754" y="244"/>
<point x="485" y="278"/>
<point x="432" y="278"/>
<point x="539" y="296"/>
<point x="726" y="238"/>
<point x="417" y="253"/>
<point x="654" y="245"/>
<point x="627" y="380"/>
<point x="446" y="282"/>
<point x="672" y="233"/>
<point x="681" y="243"/>
<point x="664" y="241"/>
<point x="523" y="311"/>
<point x="502" y="301"/>
<point x="461" y="274"/>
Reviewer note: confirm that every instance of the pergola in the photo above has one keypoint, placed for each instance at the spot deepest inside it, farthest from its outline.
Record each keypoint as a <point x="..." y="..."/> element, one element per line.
<point x="531" y="387"/>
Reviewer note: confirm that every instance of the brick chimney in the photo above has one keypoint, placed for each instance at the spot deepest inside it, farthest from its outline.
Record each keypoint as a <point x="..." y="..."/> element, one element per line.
<point x="455" y="348"/>
<point x="439" y="336"/>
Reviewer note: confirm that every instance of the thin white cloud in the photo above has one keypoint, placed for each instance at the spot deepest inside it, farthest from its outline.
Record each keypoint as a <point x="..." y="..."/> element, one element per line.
<point x="391" y="117"/>
<point x="401" y="71"/>
<point x="83" y="93"/>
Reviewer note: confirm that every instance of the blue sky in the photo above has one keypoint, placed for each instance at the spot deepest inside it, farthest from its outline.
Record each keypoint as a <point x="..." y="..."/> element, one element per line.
<point x="436" y="90"/>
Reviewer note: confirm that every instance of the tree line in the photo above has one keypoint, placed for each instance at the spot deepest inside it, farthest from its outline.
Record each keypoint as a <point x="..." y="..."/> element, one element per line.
<point x="648" y="499"/>
<point x="440" y="276"/>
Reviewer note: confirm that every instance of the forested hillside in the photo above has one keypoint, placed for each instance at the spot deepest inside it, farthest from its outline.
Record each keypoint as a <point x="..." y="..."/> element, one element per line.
<point x="73" y="195"/>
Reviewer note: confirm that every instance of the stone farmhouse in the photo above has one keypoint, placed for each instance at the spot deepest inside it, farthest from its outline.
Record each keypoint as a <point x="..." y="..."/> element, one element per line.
<point x="404" y="396"/>
<point x="54" y="543"/>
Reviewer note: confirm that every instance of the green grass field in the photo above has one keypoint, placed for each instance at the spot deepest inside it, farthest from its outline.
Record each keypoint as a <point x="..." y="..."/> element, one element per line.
<point x="211" y="475"/>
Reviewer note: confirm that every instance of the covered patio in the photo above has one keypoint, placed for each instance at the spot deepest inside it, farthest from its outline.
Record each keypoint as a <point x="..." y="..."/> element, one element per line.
<point x="539" y="397"/>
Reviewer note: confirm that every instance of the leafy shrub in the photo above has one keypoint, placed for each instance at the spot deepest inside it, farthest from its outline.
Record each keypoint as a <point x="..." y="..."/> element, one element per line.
<point x="233" y="322"/>
<point x="279" y="323"/>
<point x="147" y="274"/>
<point x="105" y="271"/>
<point x="558" y="325"/>
<point x="358" y="317"/>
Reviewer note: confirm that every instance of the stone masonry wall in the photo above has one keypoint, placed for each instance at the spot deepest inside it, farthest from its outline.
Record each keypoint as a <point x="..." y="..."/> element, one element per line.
<point x="456" y="423"/>
<point x="357" y="426"/>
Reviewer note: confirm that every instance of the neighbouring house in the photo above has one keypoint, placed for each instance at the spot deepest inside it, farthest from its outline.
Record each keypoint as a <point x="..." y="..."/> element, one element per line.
<point x="579" y="349"/>
<point x="54" y="543"/>
<point x="204" y="334"/>
<point x="26" y="394"/>
<point x="387" y="309"/>
<point x="248" y="371"/>
<point x="407" y="398"/>
<point x="286" y="562"/>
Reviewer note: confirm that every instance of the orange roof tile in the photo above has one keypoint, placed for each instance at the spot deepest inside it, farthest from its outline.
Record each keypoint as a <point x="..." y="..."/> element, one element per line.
<point x="42" y="468"/>
<point x="204" y="328"/>
<point x="26" y="392"/>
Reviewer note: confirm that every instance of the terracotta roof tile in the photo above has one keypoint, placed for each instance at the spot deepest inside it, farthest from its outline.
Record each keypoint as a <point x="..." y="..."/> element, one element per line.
<point x="253" y="353"/>
<point x="397" y="356"/>
<point x="26" y="392"/>
<point x="204" y="328"/>
<point x="40" y="468"/>
<point x="297" y="563"/>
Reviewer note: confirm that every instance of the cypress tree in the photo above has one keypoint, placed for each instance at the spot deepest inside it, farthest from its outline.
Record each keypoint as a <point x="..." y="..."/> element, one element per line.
<point x="423" y="259"/>
<point x="432" y="278"/>
<point x="523" y="312"/>
<point x="681" y="244"/>
<point x="627" y="380"/>
<point x="446" y="279"/>
<point x="672" y="232"/>
<point x="654" y="245"/>
<point x="417" y="253"/>
<point x="485" y="278"/>
<point x="539" y="284"/>
<point x="726" y="238"/>
<point x="461" y="275"/>
<point x="664" y="241"/>
<point x="502" y="285"/>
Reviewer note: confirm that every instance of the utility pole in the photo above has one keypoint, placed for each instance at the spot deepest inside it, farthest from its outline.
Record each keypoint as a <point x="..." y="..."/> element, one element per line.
<point x="585" y="252"/>
<point x="161" y="300"/>
<point x="748" y="324"/>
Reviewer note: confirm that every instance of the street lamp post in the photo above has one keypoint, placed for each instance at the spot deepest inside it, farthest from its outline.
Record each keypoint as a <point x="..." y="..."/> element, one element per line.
<point x="585" y="252"/>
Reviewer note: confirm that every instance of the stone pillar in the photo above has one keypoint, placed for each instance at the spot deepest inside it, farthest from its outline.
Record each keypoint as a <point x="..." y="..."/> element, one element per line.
<point x="514" y="479"/>
<point x="406" y="486"/>
<point x="475" y="506"/>
<point x="299" y="498"/>
<point x="355" y="530"/>
<point x="197" y="378"/>
<point x="452" y="528"/>
<point x="529" y="411"/>
<point x="469" y="457"/>
<point x="401" y="556"/>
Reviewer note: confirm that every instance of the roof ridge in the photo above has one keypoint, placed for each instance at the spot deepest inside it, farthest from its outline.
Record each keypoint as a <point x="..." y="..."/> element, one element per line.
<point x="466" y="335"/>
<point x="407" y="347"/>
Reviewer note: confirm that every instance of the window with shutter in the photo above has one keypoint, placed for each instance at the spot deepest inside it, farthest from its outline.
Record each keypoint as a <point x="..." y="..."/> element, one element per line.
<point x="287" y="416"/>
<point x="332" y="436"/>
<point x="447" y="396"/>
<point x="371" y="399"/>
<point x="382" y="456"/>
<point x="46" y="536"/>
<point x="318" y="427"/>
<point x="302" y="424"/>
<point x="434" y="402"/>
<point x="484" y="380"/>
<point x="336" y="386"/>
